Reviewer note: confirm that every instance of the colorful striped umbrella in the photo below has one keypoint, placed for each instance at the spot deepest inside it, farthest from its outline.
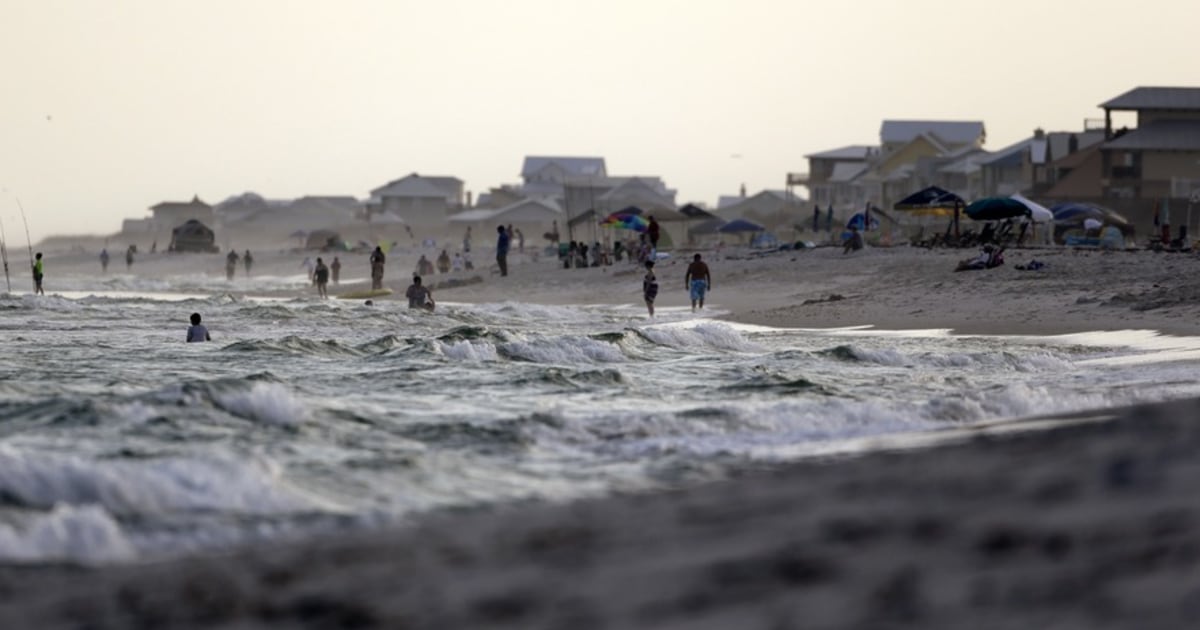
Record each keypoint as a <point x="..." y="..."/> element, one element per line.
<point x="626" y="222"/>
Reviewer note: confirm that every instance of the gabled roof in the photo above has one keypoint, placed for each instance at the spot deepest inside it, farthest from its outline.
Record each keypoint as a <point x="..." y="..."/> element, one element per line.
<point x="572" y="165"/>
<point x="852" y="152"/>
<point x="413" y="185"/>
<point x="1053" y="146"/>
<point x="950" y="132"/>
<point x="194" y="203"/>
<point x="525" y="210"/>
<point x="1164" y="135"/>
<point x="1159" y="98"/>
<point x="763" y="202"/>
<point x="654" y="187"/>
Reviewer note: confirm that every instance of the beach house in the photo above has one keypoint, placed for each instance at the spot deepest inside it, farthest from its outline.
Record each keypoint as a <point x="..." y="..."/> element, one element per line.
<point x="422" y="202"/>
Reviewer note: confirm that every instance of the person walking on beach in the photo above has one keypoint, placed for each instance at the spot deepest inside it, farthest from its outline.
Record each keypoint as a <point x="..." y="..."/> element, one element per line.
<point x="419" y="296"/>
<point x="231" y="262"/>
<point x="248" y="260"/>
<point x="336" y="268"/>
<point x="697" y="281"/>
<point x="377" y="262"/>
<point x="104" y="260"/>
<point x="467" y="240"/>
<point x="650" y="287"/>
<point x="129" y="258"/>
<point x="38" y="274"/>
<point x="502" y="240"/>
<point x="321" y="276"/>
<point x="197" y="331"/>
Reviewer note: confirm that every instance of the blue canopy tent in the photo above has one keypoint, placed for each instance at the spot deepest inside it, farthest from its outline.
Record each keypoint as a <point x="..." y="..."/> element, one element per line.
<point x="859" y="222"/>
<point x="1072" y="215"/>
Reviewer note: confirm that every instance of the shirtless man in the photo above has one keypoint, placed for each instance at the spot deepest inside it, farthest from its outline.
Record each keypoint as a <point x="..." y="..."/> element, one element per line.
<point x="419" y="296"/>
<point x="697" y="281"/>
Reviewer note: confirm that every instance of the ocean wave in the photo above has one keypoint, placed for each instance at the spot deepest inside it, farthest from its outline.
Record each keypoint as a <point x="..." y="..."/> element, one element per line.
<point x="67" y="533"/>
<point x="707" y="335"/>
<point x="239" y="485"/>
<point x="564" y="349"/>
<point x="293" y="345"/>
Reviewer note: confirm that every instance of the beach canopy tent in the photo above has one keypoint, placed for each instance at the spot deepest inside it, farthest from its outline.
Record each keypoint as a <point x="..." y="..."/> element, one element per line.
<point x="739" y="226"/>
<point x="1074" y="216"/>
<point x="193" y="236"/>
<point x="930" y="201"/>
<point x="324" y="239"/>
<point x="859" y="222"/>
<point x="1067" y="215"/>
<point x="996" y="209"/>
<point x="1037" y="212"/>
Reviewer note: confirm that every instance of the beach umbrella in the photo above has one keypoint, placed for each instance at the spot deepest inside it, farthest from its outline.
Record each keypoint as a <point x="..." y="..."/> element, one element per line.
<point x="996" y="209"/>
<point x="738" y="226"/>
<point x="626" y="222"/>
<point x="1038" y="212"/>
<point x="930" y="201"/>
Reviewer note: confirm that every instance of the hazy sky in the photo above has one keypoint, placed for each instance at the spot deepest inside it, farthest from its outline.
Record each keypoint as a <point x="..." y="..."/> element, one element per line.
<point x="108" y="107"/>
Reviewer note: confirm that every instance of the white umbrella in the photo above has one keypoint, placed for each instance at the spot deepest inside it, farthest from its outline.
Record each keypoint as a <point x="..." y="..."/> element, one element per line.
<point x="1039" y="213"/>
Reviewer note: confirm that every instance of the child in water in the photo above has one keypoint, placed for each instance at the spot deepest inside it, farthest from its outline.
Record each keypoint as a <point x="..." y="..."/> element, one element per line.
<point x="197" y="331"/>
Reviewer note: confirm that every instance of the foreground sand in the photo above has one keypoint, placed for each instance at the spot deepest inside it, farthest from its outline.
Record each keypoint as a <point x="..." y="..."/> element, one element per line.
<point x="1088" y="523"/>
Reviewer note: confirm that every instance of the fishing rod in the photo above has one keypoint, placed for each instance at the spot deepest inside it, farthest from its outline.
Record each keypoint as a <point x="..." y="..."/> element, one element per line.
<point x="4" y="255"/>
<point x="28" y="241"/>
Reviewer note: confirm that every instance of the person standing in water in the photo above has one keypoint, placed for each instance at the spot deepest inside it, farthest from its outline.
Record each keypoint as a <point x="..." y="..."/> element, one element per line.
<point x="104" y="260"/>
<point x="248" y="260"/>
<point x="321" y="276"/>
<point x="197" y="331"/>
<point x="129" y="258"/>
<point x="502" y="241"/>
<point x="336" y="269"/>
<point x="231" y="262"/>
<point x="38" y="275"/>
<point x="650" y="287"/>
<point x="377" y="262"/>
<point x="697" y="281"/>
<point x="419" y="296"/>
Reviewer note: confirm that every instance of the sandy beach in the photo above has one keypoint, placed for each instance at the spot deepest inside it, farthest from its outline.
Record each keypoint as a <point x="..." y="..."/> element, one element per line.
<point x="1084" y="521"/>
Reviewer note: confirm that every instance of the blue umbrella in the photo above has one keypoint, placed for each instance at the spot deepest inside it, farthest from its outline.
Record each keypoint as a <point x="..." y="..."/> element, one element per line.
<point x="996" y="209"/>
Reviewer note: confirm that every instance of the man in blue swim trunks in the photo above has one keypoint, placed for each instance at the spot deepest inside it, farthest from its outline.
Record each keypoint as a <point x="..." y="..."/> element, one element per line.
<point x="697" y="281"/>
